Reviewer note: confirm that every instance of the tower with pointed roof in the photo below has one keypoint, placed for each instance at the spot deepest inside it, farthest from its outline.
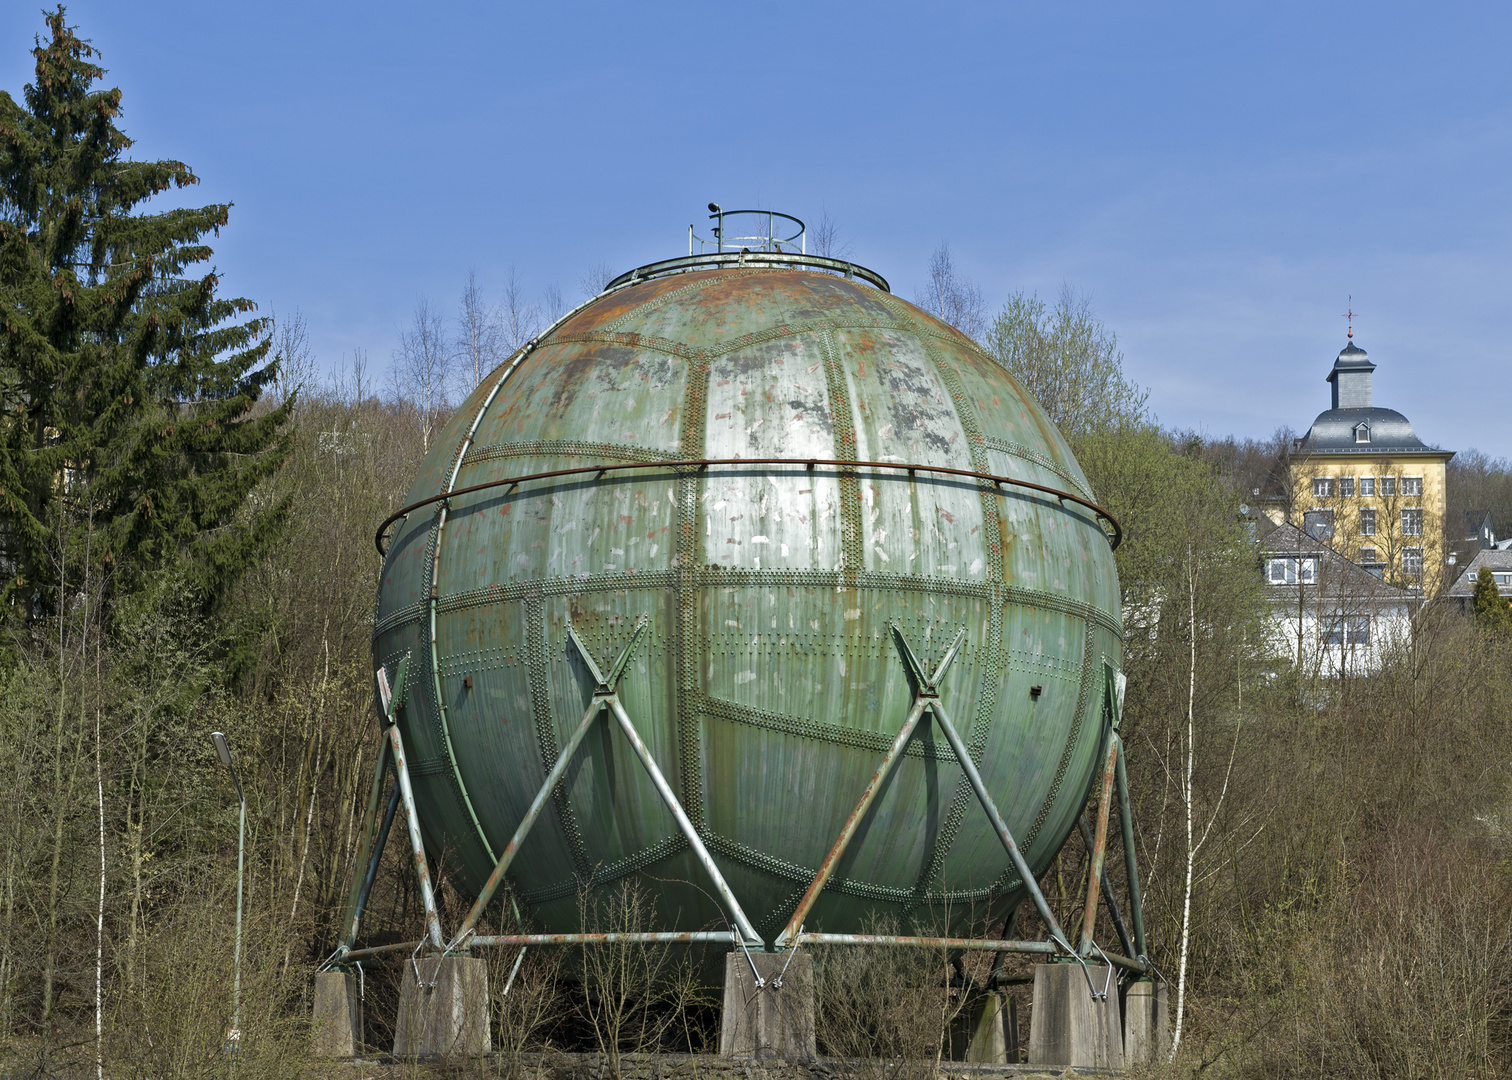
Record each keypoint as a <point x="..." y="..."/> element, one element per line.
<point x="1363" y="482"/>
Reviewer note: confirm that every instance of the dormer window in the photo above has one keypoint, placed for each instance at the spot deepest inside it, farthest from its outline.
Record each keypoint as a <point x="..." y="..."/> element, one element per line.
<point x="1362" y="433"/>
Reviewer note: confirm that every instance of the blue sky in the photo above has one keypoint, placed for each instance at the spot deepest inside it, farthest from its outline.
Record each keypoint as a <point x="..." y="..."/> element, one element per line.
<point x="1218" y="178"/>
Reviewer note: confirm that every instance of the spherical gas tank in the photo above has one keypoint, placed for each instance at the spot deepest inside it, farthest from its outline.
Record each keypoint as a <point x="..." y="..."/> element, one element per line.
<point x="768" y="680"/>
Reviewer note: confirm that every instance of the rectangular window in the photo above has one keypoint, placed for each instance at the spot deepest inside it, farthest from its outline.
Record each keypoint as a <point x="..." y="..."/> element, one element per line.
<point x="1367" y="522"/>
<point x="1412" y="523"/>
<point x="1503" y="579"/>
<point x="1346" y="486"/>
<point x="1322" y="487"/>
<point x="1412" y="562"/>
<point x="1412" y="485"/>
<point x="1367" y="485"/>
<point x="1318" y="524"/>
<point x="1367" y="555"/>
<point x="1388" y="485"/>
<point x="1284" y="571"/>
<point x="1347" y="630"/>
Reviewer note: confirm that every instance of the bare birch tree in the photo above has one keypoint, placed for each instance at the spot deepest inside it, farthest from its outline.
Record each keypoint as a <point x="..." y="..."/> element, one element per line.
<point x="553" y="304"/>
<point x="422" y="368"/>
<point x="519" y="320"/>
<point x="1188" y="793"/>
<point x="825" y="239"/>
<point x="595" y="278"/>
<point x="952" y="298"/>
<point x="477" y="331"/>
<point x="294" y="356"/>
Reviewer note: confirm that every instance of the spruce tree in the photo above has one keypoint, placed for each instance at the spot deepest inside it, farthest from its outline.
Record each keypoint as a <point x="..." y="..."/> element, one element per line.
<point x="128" y="387"/>
<point x="1491" y="611"/>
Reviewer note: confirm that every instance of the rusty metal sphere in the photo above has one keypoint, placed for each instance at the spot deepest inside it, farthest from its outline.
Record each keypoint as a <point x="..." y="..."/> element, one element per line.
<point x="768" y="682"/>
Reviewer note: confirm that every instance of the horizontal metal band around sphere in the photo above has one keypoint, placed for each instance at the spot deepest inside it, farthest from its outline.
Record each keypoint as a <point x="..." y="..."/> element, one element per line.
<point x="702" y="463"/>
<point x="717" y="577"/>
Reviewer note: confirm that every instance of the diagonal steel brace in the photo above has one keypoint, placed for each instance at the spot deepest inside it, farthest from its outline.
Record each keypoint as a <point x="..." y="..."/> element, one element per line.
<point x="1020" y="866"/>
<point x="605" y="696"/>
<point x="391" y="700"/>
<point x="1098" y="849"/>
<point x="926" y="689"/>
<point x="926" y="700"/>
<point x="370" y="851"/>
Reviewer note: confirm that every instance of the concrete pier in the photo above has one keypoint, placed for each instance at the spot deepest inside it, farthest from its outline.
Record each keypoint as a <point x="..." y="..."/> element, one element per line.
<point x="445" y="1013"/>
<point x="1069" y="1027"/>
<point x="1147" y="1028"/>
<point x="986" y="1032"/>
<point x="769" y="1020"/>
<point x="336" y="1026"/>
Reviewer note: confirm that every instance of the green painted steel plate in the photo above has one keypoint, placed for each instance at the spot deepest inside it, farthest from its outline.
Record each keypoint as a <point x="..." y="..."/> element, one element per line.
<point x="767" y="685"/>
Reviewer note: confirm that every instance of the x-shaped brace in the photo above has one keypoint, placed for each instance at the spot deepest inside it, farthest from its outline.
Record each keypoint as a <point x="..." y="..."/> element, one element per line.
<point x="926" y="685"/>
<point x="606" y="696"/>
<point x="926" y="699"/>
<point x="607" y="686"/>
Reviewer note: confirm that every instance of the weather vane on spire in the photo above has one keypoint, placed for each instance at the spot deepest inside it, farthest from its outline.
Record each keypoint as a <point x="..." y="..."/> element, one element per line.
<point x="1350" y="314"/>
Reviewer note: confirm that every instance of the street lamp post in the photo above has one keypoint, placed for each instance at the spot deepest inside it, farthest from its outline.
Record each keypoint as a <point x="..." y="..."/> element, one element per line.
<point x="223" y="748"/>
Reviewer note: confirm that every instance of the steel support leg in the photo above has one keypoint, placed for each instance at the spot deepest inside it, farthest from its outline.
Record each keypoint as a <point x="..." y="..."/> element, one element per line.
<point x="1010" y="924"/>
<point x="848" y="830"/>
<point x="417" y="843"/>
<point x="1113" y="687"/>
<point x="495" y="879"/>
<point x="924" y="692"/>
<point x="999" y="825"/>
<point x="357" y="897"/>
<point x="1099" y="848"/>
<point x="377" y="857"/>
<point x="737" y="915"/>
<point x="391" y="700"/>
<point x="1109" y="897"/>
<point x="605" y="688"/>
<point x="1131" y="861"/>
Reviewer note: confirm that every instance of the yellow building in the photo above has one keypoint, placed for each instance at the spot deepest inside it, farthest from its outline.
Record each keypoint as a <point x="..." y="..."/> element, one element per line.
<point x="1364" y="483"/>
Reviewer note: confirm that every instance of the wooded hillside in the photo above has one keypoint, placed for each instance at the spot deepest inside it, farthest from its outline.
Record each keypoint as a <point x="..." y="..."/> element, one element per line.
<point x="188" y="514"/>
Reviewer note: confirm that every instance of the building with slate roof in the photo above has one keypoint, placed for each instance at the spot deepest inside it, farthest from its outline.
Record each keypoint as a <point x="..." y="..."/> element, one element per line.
<point x="1362" y="482"/>
<point x="1499" y="562"/>
<point x="1327" y="611"/>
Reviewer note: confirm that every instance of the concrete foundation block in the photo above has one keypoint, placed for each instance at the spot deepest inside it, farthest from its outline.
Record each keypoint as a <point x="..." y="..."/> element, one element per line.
<point x="986" y="1032"/>
<point x="336" y="1028"/>
<point x="1147" y="1022"/>
<point x="1070" y="1027"/>
<point x="445" y="1013"/>
<point x="769" y="1020"/>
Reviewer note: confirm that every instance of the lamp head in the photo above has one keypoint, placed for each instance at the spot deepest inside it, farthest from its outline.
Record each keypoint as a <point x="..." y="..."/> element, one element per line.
<point x="222" y="747"/>
<point x="714" y="208"/>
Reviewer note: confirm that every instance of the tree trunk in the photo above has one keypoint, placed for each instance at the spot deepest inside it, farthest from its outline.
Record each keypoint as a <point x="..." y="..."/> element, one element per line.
<point x="1191" y="848"/>
<point x="63" y="793"/>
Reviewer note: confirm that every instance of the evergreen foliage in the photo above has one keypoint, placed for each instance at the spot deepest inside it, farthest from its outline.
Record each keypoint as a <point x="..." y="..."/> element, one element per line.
<point x="127" y="385"/>
<point x="1491" y="611"/>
